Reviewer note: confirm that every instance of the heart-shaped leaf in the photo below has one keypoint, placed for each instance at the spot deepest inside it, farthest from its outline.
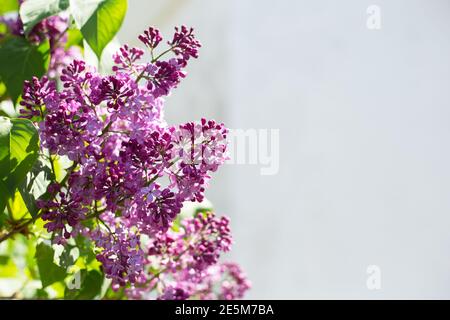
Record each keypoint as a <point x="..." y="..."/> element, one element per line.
<point x="49" y="271"/>
<point x="19" y="146"/>
<point x="98" y="20"/>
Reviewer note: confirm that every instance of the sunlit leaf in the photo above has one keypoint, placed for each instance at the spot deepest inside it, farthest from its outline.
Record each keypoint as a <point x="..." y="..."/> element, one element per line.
<point x="49" y="271"/>
<point x="98" y="20"/>
<point x="9" y="269"/>
<point x="34" y="11"/>
<point x="19" y="148"/>
<point x="18" y="208"/>
<point x="24" y="147"/>
<point x="8" y="6"/>
<point x="74" y="38"/>
<point x="24" y="60"/>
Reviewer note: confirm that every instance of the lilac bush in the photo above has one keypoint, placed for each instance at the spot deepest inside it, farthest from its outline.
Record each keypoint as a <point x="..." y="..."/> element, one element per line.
<point x="130" y="172"/>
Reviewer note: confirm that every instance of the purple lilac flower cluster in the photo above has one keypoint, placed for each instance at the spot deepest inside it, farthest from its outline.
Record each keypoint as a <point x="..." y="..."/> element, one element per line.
<point x="132" y="172"/>
<point x="189" y="257"/>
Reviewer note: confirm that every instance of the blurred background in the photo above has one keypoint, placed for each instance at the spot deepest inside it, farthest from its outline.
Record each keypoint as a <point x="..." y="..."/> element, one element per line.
<point x="363" y="112"/>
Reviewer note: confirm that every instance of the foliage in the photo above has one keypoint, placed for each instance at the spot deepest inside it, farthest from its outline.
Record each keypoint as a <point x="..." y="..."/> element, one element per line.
<point x="25" y="60"/>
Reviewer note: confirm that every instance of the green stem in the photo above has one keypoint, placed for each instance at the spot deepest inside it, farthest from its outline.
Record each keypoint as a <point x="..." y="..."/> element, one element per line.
<point x="112" y="234"/>
<point x="53" y="167"/>
<point x="163" y="53"/>
<point x="105" y="130"/>
<point x="19" y="228"/>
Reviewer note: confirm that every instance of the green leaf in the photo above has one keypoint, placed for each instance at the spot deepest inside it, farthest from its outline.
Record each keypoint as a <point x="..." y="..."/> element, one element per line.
<point x="9" y="269"/>
<point x="31" y="269"/>
<point x="3" y="215"/>
<point x="8" y="6"/>
<point x="4" y="259"/>
<point x="91" y="285"/>
<point x="17" y="208"/>
<point x="61" y="165"/>
<point x="5" y="130"/>
<point x="49" y="271"/>
<point x="85" y="246"/>
<point x="24" y="148"/>
<point x="98" y="20"/>
<point x="66" y="258"/>
<point x="18" y="150"/>
<point x="29" y="199"/>
<point x="74" y="38"/>
<point x="34" y="11"/>
<point x="19" y="146"/>
<point x="2" y="87"/>
<point x="35" y="184"/>
<point x="41" y="294"/>
<point x="20" y="61"/>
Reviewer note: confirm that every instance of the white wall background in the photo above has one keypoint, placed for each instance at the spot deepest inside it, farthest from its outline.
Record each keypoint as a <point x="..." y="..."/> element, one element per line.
<point x="364" y="119"/>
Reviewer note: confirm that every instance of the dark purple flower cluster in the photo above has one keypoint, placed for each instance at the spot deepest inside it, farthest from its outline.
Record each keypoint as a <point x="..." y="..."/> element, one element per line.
<point x="234" y="283"/>
<point x="63" y="212"/>
<point x="201" y="148"/>
<point x="174" y="293"/>
<point x="184" y="44"/>
<point x="151" y="37"/>
<point x="189" y="257"/>
<point x="162" y="76"/>
<point x="121" y="255"/>
<point x="222" y="281"/>
<point x="126" y="58"/>
<point x="114" y="90"/>
<point x="34" y="96"/>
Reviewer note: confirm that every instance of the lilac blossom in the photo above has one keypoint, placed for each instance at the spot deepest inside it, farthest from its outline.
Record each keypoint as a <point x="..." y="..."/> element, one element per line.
<point x="184" y="44"/>
<point x="151" y="37"/>
<point x="190" y="258"/>
<point x="35" y="94"/>
<point x="132" y="172"/>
